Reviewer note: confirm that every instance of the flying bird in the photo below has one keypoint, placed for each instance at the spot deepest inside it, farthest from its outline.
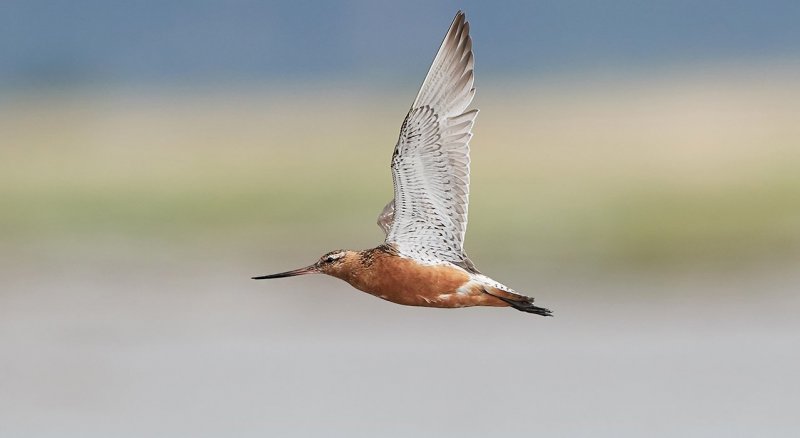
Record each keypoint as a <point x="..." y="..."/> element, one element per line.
<point x="422" y="261"/>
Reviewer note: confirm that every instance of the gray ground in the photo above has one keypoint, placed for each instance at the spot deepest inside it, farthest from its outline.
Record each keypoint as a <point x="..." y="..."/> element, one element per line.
<point x="95" y="346"/>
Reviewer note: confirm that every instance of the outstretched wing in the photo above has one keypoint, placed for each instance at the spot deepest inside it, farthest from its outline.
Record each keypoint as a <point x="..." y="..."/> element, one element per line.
<point x="430" y="164"/>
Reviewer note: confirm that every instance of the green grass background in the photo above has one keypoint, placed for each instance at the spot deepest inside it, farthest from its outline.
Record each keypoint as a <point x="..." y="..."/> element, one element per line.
<point x="680" y="170"/>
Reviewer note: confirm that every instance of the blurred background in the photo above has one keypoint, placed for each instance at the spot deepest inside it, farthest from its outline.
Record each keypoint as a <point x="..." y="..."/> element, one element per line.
<point x="636" y="168"/>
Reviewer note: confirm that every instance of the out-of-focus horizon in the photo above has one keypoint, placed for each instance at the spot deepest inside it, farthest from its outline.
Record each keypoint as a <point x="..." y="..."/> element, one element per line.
<point x="95" y="44"/>
<point x="635" y="167"/>
<point x="640" y="133"/>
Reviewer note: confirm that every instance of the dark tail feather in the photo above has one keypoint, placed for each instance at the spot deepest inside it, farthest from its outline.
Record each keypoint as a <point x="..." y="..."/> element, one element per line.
<point x="522" y="303"/>
<point x="527" y="306"/>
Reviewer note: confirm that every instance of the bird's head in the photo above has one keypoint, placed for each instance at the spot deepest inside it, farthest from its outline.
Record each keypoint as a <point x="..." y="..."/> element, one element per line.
<point x="335" y="263"/>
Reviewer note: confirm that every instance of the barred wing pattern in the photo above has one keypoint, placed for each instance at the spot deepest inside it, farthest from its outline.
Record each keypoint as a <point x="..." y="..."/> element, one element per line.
<point x="430" y="164"/>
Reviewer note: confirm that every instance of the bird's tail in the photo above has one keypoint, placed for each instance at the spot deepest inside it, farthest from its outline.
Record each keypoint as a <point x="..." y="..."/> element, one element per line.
<point x="519" y="302"/>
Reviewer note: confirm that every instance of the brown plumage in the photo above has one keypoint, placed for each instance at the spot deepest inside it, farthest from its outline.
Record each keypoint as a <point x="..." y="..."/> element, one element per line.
<point x="422" y="262"/>
<point x="382" y="272"/>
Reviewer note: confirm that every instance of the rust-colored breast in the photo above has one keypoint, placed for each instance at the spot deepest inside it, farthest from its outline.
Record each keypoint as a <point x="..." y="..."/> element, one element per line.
<point x="405" y="281"/>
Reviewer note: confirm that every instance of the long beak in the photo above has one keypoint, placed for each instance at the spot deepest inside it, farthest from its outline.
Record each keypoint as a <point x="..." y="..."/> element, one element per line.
<point x="302" y="271"/>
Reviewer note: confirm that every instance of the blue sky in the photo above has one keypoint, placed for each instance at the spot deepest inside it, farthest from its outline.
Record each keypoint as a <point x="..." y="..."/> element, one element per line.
<point x="56" y="42"/>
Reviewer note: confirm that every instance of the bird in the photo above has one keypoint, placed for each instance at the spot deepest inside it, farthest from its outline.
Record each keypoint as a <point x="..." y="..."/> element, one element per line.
<point x="422" y="260"/>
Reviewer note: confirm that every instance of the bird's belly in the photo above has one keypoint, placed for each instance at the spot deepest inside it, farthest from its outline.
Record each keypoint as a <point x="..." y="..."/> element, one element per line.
<point x="412" y="284"/>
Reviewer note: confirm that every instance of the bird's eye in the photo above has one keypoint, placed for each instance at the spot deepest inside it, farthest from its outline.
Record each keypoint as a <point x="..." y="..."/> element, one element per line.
<point x="330" y="258"/>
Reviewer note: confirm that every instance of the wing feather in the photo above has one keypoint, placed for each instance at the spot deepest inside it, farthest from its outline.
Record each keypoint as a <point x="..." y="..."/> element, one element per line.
<point x="430" y="164"/>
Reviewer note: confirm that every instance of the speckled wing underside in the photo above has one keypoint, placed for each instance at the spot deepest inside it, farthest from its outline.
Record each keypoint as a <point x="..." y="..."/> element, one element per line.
<point x="430" y="164"/>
